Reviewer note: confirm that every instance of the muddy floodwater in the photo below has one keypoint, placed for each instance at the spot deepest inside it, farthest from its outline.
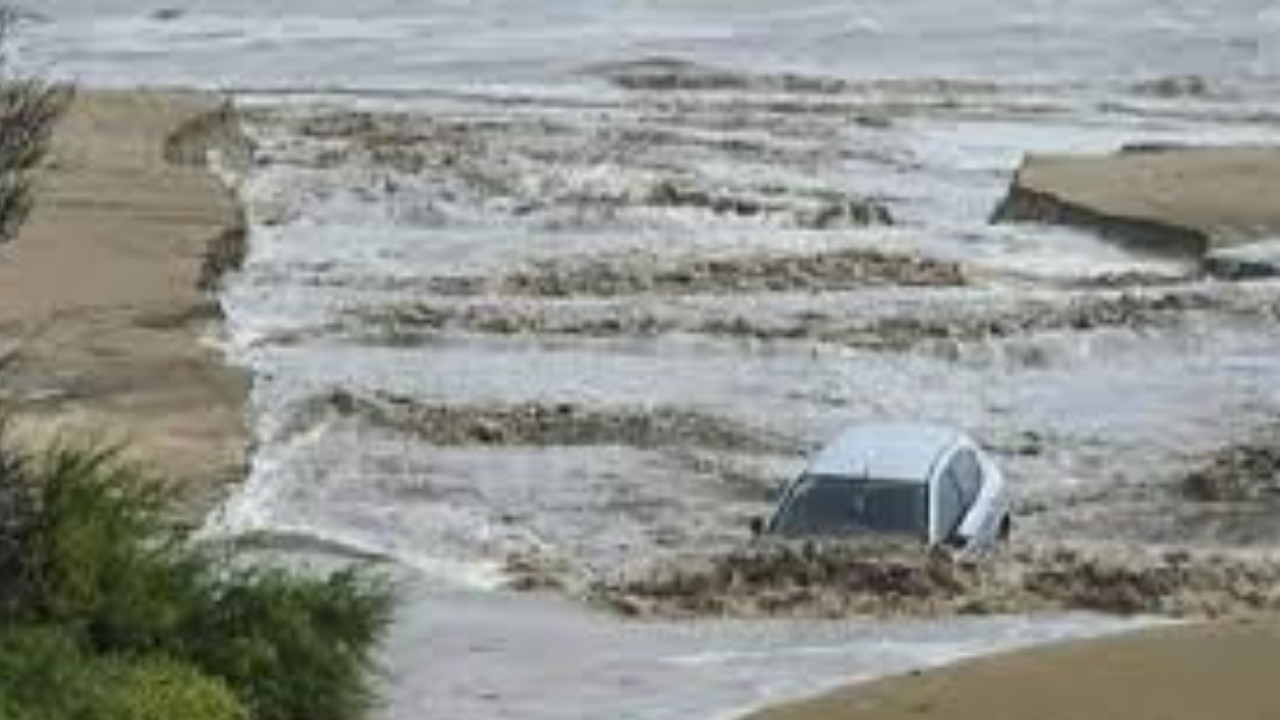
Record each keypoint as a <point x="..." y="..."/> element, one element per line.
<point x="591" y="332"/>
<point x="542" y="306"/>
<point x="568" y="341"/>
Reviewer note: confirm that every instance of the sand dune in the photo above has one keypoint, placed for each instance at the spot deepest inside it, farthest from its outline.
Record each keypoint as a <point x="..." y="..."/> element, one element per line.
<point x="1224" y="672"/>
<point x="104" y="295"/>
<point x="1195" y="200"/>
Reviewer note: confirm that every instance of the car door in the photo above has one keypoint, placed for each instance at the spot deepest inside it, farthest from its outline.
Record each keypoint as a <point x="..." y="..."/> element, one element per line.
<point x="981" y="526"/>
<point x="968" y="474"/>
<point x="949" y="506"/>
<point x="958" y="488"/>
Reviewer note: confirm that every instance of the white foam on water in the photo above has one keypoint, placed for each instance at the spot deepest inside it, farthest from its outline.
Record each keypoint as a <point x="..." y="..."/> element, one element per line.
<point x="268" y="504"/>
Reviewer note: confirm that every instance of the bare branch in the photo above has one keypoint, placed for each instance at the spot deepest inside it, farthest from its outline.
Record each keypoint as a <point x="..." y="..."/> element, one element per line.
<point x="29" y="110"/>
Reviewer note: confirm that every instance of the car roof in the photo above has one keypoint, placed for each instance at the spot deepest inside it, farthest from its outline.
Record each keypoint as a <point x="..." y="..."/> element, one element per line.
<point x="904" y="452"/>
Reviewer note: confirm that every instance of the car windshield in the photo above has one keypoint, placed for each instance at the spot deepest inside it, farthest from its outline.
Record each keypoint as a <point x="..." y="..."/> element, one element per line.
<point x="841" y="506"/>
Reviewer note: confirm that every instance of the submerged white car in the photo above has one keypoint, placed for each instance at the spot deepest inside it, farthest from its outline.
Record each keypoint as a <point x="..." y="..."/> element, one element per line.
<point x="922" y="482"/>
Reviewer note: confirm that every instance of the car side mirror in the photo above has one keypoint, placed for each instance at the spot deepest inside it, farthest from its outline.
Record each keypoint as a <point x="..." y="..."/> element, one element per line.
<point x="757" y="526"/>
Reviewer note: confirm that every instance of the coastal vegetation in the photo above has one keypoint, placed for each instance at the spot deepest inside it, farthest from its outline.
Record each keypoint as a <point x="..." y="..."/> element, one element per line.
<point x="29" y="109"/>
<point x="111" y="611"/>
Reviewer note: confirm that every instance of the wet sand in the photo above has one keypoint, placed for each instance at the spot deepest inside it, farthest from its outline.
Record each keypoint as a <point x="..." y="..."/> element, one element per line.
<point x="1226" y="672"/>
<point x="1193" y="200"/>
<point x="106" y="296"/>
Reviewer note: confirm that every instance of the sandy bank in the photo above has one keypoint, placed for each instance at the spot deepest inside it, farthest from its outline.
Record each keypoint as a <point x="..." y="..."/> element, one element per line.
<point x="1183" y="200"/>
<point x="1225" y="672"/>
<point x="105" y="296"/>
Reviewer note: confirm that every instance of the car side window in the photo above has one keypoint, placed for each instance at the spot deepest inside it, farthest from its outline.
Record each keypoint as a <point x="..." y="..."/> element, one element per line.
<point x="968" y="476"/>
<point x="951" y="504"/>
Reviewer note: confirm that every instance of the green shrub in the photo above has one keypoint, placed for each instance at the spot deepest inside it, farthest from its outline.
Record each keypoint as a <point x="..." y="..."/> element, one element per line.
<point x="18" y="517"/>
<point x="46" y="674"/>
<point x="162" y="689"/>
<point x="293" y="647"/>
<point x="105" y="559"/>
<point x="117" y="580"/>
<point x="10" y="710"/>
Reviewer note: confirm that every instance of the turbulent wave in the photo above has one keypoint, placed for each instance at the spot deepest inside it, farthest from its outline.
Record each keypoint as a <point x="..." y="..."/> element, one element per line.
<point x="540" y="424"/>
<point x="950" y="322"/>
<point x="834" y="580"/>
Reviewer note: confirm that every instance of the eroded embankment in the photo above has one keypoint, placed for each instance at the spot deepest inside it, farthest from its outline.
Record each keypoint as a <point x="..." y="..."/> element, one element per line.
<point x="105" y="296"/>
<point x="1189" y="200"/>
